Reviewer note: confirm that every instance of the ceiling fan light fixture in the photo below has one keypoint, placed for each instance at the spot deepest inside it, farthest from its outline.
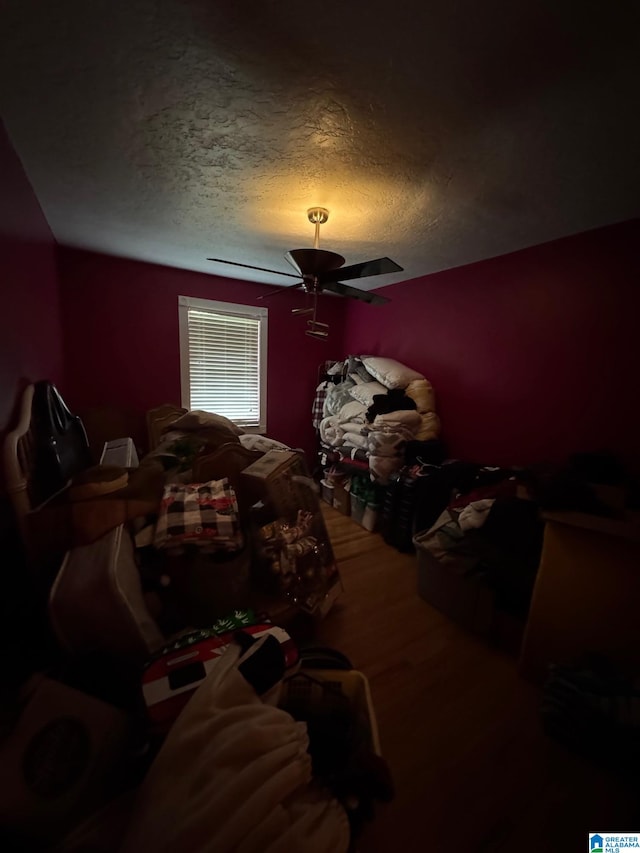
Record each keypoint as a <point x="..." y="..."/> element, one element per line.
<point x="317" y="215"/>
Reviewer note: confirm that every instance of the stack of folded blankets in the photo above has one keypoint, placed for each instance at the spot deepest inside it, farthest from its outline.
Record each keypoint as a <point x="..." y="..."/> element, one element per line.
<point x="377" y="406"/>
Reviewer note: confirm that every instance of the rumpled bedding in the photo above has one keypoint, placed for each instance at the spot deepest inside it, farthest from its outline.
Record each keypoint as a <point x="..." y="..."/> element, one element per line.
<point x="429" y="428"/>
<point x="261" y="443"/>
<point x="354" y="439"/>
<point x="384" y="440"/>
<point x="337" y="396"/>
<point x="386" y="443"/>
<point x="347" y="430"/>
<point x="179" y="449"/>
<point x="333" y="432"/>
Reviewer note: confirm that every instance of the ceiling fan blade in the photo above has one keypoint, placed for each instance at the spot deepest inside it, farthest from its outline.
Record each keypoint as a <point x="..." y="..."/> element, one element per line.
<point x="250" y="267"/>
<point x="378" y="267"/>
<point x="355" y="293"/>
<point x="278" y="291"/>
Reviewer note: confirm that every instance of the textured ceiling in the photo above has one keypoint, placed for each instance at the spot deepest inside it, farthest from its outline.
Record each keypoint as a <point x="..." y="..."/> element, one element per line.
<point x="438" y="133"/>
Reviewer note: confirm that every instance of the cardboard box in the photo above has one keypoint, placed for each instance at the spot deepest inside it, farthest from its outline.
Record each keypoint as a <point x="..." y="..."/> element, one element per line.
<point x="326" y="491"/>
<point x="294" y="554"/>
<point x="280" y="479"/>
<point x="466" y="599"/>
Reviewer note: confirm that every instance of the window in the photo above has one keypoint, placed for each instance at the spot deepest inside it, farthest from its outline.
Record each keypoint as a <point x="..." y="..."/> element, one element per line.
<point x="223" y="360"/>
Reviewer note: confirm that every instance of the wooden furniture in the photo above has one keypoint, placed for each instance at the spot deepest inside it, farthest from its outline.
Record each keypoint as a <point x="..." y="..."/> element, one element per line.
<point x="19" y="461"/>
<point x="159" y="419"/>
<point x="586" y="593"/>
<point x="96" y="602"/>
<point x="47" y="446"/>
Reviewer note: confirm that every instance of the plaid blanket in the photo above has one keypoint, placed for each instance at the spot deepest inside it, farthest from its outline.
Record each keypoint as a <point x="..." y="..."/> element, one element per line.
<point x="199" y="513"/>
<point x="318" y="404"/>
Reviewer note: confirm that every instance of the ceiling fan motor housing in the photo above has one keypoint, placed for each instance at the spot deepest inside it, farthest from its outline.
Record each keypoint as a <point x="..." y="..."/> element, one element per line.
<point x="314" y="261"/>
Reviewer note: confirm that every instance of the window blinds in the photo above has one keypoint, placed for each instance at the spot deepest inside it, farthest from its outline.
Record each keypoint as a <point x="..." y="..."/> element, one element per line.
<point x="224" y="364"/>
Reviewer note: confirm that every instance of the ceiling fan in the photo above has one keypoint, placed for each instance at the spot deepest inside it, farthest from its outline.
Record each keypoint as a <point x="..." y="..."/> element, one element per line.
<point x="320" y="271"/>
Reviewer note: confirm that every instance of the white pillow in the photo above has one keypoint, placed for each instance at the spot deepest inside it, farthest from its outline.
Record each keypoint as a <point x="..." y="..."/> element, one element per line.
<point x="365" y="393"/>
<point x="391" y="373"/>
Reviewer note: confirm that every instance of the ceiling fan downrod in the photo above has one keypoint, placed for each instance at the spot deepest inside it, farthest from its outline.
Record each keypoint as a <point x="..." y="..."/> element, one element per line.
<point x="317" y="216"/>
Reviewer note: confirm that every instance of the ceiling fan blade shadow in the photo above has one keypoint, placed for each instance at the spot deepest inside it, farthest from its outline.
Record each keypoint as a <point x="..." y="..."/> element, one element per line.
<point x="250" y="267"/>
<point x="379" y="266"/>
<point x="355" y="293"/>
<point x="278" y="291"/>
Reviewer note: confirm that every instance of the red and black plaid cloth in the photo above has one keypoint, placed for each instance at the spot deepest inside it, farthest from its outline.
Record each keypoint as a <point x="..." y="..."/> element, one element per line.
<point x="199" y="513"/>
<point x="318" y="404"/>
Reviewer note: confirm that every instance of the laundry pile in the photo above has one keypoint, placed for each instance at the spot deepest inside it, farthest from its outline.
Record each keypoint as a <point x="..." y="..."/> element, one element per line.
<point x="371" y="407"/>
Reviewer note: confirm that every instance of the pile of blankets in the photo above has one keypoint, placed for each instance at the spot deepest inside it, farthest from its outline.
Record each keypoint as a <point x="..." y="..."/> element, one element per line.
<point x="372" y="407"/>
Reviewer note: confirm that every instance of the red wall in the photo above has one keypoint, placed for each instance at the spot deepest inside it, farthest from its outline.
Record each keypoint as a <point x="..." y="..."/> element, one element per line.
<point x="533" y="355"/>
<point x="122" y="342"/>
<point x="30" y="330"/>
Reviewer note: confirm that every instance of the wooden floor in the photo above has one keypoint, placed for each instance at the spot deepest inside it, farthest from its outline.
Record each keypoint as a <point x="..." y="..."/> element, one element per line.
<point x="459" y="728"/>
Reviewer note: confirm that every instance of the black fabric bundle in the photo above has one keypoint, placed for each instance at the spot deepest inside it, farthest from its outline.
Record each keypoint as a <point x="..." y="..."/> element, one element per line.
<point x="394" y="401"/>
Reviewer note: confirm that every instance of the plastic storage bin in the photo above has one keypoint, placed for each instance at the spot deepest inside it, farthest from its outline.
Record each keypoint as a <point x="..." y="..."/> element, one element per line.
<point x="358" y="507"/>
<point x="352" y="683"/>
<point x="326" y="491"/>
<point x="466" y="599"/>
<point x="370" y="517"/>
<point x="341" y="500"/>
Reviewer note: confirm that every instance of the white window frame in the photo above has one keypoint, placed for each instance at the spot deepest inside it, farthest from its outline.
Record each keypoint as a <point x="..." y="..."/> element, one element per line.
<point x="231" y="309"/>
